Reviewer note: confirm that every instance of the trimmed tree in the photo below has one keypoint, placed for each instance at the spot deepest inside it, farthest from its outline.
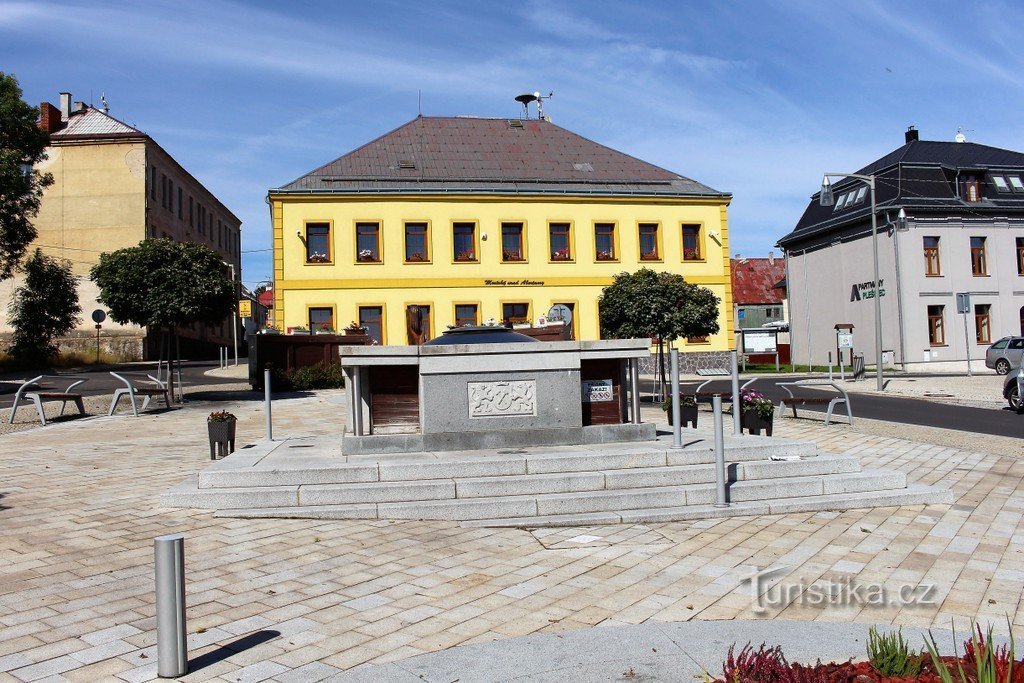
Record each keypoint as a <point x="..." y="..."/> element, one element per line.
<point x="161" y="285"/>
<point x="44" y="308"/>
<point x="657" y="304"/>
<point x="22" y="145"/>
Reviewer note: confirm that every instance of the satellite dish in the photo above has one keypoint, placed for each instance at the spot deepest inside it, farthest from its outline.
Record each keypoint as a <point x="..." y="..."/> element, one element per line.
<point x="560" y="312"/>
<point x="526" y="98"/>
<point x="98" y="316"/>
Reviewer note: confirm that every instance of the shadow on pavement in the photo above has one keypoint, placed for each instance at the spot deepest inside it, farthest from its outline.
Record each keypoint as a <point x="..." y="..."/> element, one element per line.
<point x="241" y="395"/>
<point x="233" y="648"/>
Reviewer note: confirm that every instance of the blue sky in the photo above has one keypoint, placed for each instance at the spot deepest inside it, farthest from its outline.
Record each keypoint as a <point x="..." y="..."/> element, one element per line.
<point x="756" y="99"/>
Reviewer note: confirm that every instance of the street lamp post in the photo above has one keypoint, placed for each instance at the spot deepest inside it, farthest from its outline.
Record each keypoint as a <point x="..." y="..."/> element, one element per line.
<point x="234" y="314"/>
<point x="826" y="199"/>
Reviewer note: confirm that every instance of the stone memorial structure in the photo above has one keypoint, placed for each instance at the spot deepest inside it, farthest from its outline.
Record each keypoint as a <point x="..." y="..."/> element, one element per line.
<point x="489" y="387"/>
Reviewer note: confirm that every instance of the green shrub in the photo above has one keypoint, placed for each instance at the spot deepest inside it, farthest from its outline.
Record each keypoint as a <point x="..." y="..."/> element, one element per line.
<point x="890" y="655"/>
<point x="308" y="378"/>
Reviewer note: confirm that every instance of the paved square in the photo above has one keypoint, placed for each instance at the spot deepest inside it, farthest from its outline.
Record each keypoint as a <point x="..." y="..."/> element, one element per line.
<point x="291" y="600"/>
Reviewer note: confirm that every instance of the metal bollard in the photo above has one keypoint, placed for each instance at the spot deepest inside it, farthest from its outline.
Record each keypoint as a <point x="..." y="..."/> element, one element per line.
<point x="737" y="422"/>
<point x="677" y="418"/>
<point x="171" y="643"/>
<point x="266" y="403"/>
<point x="716" y="406"/>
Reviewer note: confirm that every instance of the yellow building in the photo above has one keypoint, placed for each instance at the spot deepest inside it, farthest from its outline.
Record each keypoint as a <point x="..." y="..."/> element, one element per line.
<point x="114" y="186"/>
<point x="472" y="219"/>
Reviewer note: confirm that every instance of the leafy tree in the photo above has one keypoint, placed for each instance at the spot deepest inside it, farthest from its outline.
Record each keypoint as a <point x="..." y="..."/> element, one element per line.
<point x="22" y="145"/>
<point x="164" y="284"/>
<point x="652" y="304"/>
<point x="44" y="308"/>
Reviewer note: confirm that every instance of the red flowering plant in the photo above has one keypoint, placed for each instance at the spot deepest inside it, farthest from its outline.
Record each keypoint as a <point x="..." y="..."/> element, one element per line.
<point x="466" y="255"/>
<point x="511" y="255"/>
<point x="691" y="255"/>
<point x="561" y="255"/>
<point x="605" y="255"/>
<point x="757" y="402"/>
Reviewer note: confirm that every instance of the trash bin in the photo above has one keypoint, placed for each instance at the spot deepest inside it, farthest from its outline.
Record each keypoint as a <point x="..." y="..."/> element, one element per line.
<point x="858" y="365"/>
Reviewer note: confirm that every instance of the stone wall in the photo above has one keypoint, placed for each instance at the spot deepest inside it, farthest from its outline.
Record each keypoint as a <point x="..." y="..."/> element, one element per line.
<point x="689" y="362"/>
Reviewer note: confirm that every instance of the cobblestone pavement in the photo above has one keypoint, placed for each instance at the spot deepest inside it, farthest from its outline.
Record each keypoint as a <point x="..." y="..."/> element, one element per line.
<point x="301" y="600"/>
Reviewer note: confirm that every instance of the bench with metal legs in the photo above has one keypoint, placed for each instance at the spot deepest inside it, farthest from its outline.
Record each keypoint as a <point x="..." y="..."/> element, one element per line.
<point x="832" y="401"/>
<point x="131" y="390"/>
<point x="40" y="397"/>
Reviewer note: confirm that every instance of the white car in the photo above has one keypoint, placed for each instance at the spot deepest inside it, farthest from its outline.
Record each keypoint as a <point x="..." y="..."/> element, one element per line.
<point x="780" y="325"/>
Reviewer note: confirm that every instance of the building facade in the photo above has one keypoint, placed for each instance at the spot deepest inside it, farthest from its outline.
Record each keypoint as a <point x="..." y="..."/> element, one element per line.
<point x="758" y="291"/>
<point x="963" y="234"/>
<point x="470" y="220"/>
<point x="114" y="186"/>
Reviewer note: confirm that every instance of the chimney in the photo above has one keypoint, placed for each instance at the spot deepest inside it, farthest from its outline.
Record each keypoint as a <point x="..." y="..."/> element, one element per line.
<point x="737" y="256"/>
<point x="49" y="117"/>
<point x="79" y="106"/>
<point x="65" y="106"/>
<point x="911" y="134"/>
<point x="771" y="258"/>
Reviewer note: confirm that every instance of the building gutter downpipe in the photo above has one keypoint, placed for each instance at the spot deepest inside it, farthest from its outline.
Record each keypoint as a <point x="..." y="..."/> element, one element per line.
<point x="899" y="292"/>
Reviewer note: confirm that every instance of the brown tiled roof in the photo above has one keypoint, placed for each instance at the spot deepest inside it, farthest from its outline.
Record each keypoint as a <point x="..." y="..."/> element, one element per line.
<point x="754" y="280"/>
<point x="461" y="154"/>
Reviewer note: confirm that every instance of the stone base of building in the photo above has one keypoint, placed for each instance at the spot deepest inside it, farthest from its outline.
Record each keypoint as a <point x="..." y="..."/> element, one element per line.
<point x="380" y="444"/>
<point x="689" y="362"/>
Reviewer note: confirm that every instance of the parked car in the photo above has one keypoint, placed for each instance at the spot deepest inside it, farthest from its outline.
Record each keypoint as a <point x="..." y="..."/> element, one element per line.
<point x="1005" y="354"/>
<point x="780" y="325"/>
<point x="1011" y="390"/>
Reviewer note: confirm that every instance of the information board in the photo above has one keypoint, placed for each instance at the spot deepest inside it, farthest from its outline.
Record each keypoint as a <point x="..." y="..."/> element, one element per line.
<point x="760" y="341"/>
<point x="845" y="340"/>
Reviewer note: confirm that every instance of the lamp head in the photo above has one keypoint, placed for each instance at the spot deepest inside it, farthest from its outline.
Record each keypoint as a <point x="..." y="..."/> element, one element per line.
<point x="901" y="220"/>
<point x="826" y="198"/>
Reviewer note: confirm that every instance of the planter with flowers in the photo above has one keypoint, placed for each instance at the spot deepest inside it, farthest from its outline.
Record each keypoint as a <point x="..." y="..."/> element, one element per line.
<point x="758" y="412"/>
<point x="323" y="328"/>
<point x="318" y="257"/>
<point x="221" y="428"/>
<point x="687" y="410"/>
<point x="416" y="258"/>
<point x="561" y="255"/>
<point x="353" y="328"/>
<point x="605" y="256"/>
<point x="270" y="329"/>
<point x="691" y="255"/>
<point x="511" y="255"/>
<point x="649" y="256"/>
<point x="465" y="256"/>
<point x="366" y="256"/>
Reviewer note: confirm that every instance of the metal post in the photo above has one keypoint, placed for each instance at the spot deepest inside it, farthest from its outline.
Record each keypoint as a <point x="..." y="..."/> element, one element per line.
<point x="716" y="406"/>
<point x="171" y="643"/>
<point x="98" y="326"/>
<point x="879" y="384"/>
<point x="266" y="403"/>
<point x="634" y="388"/>
<point x="829" y="366"/>
<point x="677" y="418"/>
<point x="967" y="345"/>
<point x="737" y="423"/>
<point x="177" y="364"/>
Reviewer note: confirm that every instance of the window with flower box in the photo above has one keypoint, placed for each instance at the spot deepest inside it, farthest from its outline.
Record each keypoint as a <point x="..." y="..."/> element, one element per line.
<point x="648" y="235"/>
<point x="464" y="242"/>
<point x="321" y="319"/>
<point x="936" y="326"/>
<point x="368" y="242"/>
<point x="560" y="241"/>
<point x="513" y="246"/>
<point x="692" y="243"/>
<point x="467" y="314"/>
<point x="318" y="242"/>
<point x="604" y="242"/>
<point x="516" y="313"/>
<point x="417" y="242"/>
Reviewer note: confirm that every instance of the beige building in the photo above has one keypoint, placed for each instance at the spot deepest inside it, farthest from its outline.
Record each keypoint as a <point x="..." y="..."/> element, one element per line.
<point x="114" y="186"/>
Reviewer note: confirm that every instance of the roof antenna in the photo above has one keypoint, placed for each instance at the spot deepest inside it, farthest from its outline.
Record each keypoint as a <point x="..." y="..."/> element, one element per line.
<point x="525" y="100"/>
<point x="960" y="137"/>
<point x="419" y="102"/>
<point x="103" y="100"/>
<point x="540" y="105"/>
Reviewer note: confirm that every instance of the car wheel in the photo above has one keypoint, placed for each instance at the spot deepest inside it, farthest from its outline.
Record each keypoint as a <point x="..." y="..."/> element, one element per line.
<point x="1002" y="366"/>
<point x="1014" y="399"/>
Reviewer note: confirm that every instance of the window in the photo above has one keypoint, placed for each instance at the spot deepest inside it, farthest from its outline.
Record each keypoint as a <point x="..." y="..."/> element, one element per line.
<point x="936" y="326"/>
<point x="152" y="182"/>
<point x="1016" y="184"/>
<point x="691" y="243"/>
<point x="512" y="247"/>
<point x="372" y="318"/>
<point x="191" y="212"/>
<point x="416" y="243"/>
<point x="467" y="314"/>
<point x="368" y="242"/>
<point x="515" y="313"/>
<point x="321" y="318"/>
<point x="180" y="202"/>
<point x="1001" y="344"/>
<point x="648" y="233"/>
<point x="559" y="242"/>
<point x="983" y="323"/>
<point x="932" y="265"/>
<point x="696" y="340"/>
<point x="971" y="189"/>
<point x="170" y="195"/>
<point x="163" y="190"/>
<point x="1020" y="256"/>
<point x="861" y="193"/>
<point x="978" y="265"/>
<point x="604" y="242"/>
<point x="464" y="242"/>
<point x="417" y="324"/>
<point x="1000" y="183"/>
<point x="318" y="242"/>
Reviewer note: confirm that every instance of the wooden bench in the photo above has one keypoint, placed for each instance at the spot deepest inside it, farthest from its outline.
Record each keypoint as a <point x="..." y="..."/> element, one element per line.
<point x="42" y="396"/>
<point x="132" y="390"/>
<point x="832" y="401"/>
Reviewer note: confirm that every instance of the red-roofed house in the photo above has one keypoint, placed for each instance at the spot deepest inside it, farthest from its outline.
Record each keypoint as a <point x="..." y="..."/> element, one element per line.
<point x="758" y="291"/>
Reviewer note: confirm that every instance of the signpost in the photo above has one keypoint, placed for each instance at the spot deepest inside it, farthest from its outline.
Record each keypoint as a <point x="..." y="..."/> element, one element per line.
<point x="98" y="316"/>
<point x="844" y="340"/>
<point x="963" y="306"/>
<point x="245" y="308"/>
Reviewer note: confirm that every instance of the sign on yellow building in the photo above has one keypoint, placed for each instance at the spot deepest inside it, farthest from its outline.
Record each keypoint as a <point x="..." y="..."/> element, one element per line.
<point x="471" y="220"/>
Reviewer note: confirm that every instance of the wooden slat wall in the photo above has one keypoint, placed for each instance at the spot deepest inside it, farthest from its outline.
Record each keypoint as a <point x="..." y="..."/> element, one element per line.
<point x="609" y="412"/>
<point x="394" y="397"/>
